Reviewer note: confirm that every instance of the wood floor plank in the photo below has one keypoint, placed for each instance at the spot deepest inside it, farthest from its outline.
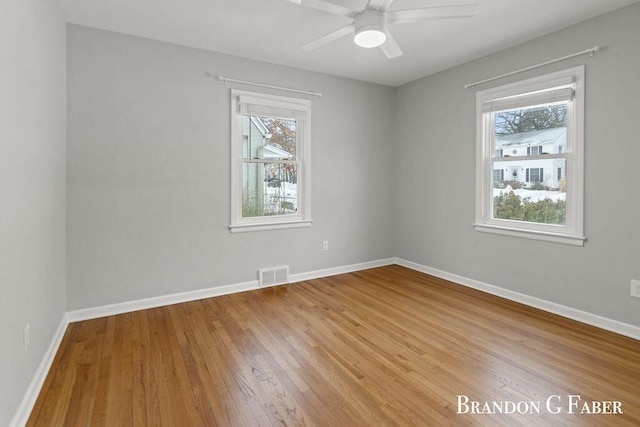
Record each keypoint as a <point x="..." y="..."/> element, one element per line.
<point x="387" y="346"/>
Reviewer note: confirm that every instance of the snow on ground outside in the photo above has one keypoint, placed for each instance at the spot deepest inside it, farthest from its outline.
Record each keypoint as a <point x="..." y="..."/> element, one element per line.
<point x="290" y="192"/>
<point x="535" y="195"/>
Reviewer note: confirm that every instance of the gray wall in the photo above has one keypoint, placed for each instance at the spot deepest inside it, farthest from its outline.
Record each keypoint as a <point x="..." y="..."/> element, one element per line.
<point x="148" y="171"/>
<point x="32" y="189"/>
<point x="148" y="199"/>
<point x="435" y="171"/>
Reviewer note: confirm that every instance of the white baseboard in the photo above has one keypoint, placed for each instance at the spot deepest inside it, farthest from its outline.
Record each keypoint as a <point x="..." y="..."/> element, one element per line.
<point x="153" y="302"/>
<point x="300" y="277"/>
<point x="29" y="400"/>
<point x="621" y="328"/>
<point x="142" y="304"/>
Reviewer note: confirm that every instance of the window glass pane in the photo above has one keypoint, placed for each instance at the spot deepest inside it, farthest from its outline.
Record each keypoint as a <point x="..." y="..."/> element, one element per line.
<point x="530" y="190"/>
<point x="268" y="138"/>
<point x="531" y="119"/>
<point x="531" y="131"/>
<point x="269" y="189"/>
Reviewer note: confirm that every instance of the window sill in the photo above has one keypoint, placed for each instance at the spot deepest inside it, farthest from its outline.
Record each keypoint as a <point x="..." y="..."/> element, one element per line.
<point x="262" y="226"/>
<point x="544" y="236"/>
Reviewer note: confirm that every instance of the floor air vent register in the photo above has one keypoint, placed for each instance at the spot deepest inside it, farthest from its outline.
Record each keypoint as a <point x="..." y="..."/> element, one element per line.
<point x="273" y="276"/>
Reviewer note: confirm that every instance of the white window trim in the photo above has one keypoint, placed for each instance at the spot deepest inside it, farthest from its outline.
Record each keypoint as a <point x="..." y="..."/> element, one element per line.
<point x="572" y="233"/>
<point x="239" y="223"/>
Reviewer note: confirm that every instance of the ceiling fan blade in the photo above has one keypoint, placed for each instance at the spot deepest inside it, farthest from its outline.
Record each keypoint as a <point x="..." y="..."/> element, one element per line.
<point x="327" y="6"/>
<point x="332" y="36"/>
<point x="382" y="5"/>
<point x="440" y="12"/>
<point x="390" y="47"/>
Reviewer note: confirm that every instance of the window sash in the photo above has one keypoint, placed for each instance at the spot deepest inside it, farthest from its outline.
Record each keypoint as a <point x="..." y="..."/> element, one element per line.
<point x="299" y="182"/>
<point x="275" y="161"/>
<point x="300" y="144"/>
<point x="533" y="157"/>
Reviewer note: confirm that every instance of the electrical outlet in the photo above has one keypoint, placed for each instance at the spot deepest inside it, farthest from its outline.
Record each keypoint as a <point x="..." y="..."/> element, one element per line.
<point x="26" y="336"/>
<point x="325" y="245"/>
<point x="635" y="288"/>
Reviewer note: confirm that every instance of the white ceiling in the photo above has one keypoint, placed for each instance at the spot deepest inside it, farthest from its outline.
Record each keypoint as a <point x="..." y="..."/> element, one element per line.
<point x="275" y="30"/>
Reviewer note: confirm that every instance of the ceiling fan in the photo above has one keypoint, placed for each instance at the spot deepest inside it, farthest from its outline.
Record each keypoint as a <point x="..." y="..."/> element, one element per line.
<point x="370" y="26"/>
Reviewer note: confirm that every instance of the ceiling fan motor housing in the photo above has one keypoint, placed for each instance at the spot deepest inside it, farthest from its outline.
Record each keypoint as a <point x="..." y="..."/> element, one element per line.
<point x="368" y="23"/>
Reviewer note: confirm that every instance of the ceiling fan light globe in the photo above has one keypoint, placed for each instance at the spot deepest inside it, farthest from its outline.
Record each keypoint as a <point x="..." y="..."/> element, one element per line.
<point x="370" y="37"/>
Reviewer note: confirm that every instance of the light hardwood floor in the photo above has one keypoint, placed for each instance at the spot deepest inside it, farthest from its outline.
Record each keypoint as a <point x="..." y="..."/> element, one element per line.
<point x="386" y="346"/>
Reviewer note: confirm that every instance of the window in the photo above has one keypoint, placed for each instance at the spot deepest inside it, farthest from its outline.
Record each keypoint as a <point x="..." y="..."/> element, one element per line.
<point x="541" y="122"/>
<point x="270" y="183"/>
<point x="535" y="175"/>
<point x="534" y="151"/>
